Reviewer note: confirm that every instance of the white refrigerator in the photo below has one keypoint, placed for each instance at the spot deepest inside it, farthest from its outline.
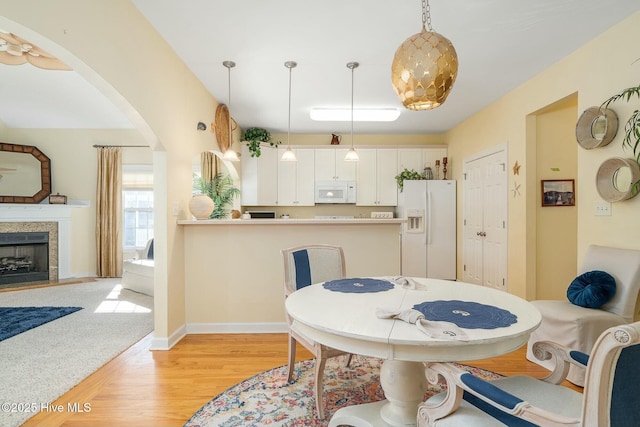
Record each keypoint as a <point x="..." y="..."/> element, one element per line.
<point x="428" y="246"/>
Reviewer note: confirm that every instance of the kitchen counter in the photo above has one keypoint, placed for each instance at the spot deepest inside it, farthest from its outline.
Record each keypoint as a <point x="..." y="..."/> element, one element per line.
<point x="234" y="272"/>
<point x="291" y="221"/>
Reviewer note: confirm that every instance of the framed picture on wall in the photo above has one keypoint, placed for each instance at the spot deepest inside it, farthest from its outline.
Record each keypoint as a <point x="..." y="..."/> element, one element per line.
<point x="558" y="192"/>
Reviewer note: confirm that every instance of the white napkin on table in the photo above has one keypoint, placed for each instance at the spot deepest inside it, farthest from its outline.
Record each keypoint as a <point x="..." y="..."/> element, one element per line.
<point x="407" y="282"/>
<point x="433" y="329"/>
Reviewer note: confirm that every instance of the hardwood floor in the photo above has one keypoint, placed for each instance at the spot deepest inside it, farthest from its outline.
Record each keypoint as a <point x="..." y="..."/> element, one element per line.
<point x="165" y="388"/>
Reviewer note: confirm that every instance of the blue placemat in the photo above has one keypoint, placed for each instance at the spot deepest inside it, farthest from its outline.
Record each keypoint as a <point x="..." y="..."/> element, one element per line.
<point x="358" y="285"/>
<point x="467" y="314"/>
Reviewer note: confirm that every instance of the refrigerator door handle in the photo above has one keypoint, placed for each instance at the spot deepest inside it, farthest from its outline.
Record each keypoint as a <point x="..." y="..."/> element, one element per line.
<point x="429" y="217"/>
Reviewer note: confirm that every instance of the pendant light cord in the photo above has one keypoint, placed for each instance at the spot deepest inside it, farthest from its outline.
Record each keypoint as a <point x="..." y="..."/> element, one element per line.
<point x="352" y="68"/>
<point x="289" y="123"/>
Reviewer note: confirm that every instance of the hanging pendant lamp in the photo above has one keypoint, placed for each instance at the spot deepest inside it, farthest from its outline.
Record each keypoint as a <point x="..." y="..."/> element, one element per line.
<point x="230" y="154"/>
<point x="424" y="67"/>
<point x="289" y="155"/>
<point x="352" y="156"/>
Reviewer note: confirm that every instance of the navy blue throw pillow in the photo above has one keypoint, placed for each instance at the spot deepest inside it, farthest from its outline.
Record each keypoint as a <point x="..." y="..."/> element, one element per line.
<point x="592" y="289"/>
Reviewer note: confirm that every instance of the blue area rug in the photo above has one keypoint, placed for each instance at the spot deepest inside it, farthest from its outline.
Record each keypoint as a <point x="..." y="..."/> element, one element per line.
<point x="16" y="320"/>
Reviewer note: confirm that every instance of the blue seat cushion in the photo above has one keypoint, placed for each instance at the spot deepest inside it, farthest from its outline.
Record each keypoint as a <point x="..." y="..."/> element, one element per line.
<point x="592" y="289"/>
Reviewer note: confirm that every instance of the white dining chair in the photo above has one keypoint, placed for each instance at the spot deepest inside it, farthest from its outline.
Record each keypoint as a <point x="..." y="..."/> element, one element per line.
<point x="611" y="395"/>
<point x="303" y="266"/>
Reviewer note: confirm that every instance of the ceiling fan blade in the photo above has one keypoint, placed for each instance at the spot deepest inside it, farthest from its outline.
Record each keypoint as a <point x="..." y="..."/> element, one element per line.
<point x="9" y="38"/>
<point x="47" y="63"/>
<point x="8" y="59"/>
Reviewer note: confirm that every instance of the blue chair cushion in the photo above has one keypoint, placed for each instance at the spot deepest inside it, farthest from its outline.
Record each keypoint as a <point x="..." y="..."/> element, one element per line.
<point x="592" y="289"/>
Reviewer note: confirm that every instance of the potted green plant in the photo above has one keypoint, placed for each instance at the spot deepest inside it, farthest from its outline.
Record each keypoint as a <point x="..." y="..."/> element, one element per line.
<point x="410" y="174"/>
<point x="221" y="190"/>
<point x="255" y="137"/>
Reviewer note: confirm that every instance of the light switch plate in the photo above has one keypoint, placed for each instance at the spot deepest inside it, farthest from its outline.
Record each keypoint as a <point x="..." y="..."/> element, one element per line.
<point x="603" y="208"/>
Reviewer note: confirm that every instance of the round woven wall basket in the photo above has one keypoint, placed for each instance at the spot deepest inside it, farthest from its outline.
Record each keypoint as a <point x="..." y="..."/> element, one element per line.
<point x="615" y="178"/>
<point x="596" y="127"/>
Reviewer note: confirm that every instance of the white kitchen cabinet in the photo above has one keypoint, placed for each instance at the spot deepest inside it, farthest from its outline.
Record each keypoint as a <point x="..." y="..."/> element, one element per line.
<point x="418" y="158"/>
<point x="330" y="165"/>
<point x="259" y="177"/>
<point x="375" y="177"/>
<point x="296" y="180"/>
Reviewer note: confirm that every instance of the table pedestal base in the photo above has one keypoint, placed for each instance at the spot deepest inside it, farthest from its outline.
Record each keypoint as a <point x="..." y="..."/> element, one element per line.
<point x="404" y="385"/>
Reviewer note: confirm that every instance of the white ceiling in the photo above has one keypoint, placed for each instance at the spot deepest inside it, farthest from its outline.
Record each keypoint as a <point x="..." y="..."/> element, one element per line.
<point x="500" y="44"/>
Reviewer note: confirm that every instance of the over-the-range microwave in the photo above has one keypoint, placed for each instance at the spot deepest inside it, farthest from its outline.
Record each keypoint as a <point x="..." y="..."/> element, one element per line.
<point x="335" y="192"/>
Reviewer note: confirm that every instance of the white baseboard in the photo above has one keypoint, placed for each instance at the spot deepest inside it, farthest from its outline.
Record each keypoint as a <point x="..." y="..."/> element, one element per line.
<point x="217" y="328"/>
<point x="168" y="343"/>
<point x="237" y="328"/>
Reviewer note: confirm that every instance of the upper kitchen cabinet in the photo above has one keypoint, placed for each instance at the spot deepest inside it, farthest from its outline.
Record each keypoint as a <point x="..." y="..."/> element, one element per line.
<point x="296" y="179"/>
<point x="419" y="158"/>
<point x="375" y="177"/>
<point x="330" y="165"/>
<point x="260" y="178"/>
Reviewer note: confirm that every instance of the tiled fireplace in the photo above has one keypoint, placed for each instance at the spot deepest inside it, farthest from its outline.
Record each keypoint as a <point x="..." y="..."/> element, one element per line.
<point x="25" y="256"/>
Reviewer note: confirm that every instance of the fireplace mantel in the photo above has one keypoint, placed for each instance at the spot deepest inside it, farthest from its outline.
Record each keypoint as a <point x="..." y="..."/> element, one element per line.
<point x="43" y="212"/>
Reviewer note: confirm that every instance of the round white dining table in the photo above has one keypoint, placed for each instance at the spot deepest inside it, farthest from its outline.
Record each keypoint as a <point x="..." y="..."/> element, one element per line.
<point x="347" y="321"/>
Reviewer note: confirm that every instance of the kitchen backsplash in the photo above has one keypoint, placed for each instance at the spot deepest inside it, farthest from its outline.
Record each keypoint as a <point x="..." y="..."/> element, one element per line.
<point x="321" y="210"/>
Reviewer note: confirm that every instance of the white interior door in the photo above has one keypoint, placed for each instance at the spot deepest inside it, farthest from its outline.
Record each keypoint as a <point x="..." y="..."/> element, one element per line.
<point x="485" y="194"/>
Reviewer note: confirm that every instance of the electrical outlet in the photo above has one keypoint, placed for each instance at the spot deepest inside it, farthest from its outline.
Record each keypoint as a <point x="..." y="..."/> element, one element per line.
<point x="603" y="208"/>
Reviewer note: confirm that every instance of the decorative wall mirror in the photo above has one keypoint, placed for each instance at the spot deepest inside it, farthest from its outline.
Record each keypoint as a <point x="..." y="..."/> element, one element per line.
<point x="596" y="127"/>
<point x="25" y="174"/>
<point x="616" y="178"/>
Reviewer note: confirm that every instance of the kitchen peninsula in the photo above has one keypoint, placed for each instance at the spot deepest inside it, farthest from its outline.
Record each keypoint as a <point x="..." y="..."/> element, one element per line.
<point x="234" y="274"/>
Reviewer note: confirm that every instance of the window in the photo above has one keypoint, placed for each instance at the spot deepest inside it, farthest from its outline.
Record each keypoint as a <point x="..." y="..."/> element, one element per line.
<point x="137" y="201"/>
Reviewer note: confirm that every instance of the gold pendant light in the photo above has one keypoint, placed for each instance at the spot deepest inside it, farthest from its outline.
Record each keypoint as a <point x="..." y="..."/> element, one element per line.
<point x="230" y="154"/>
<point x="352" y="156"/>
<point x="289" y="155"/>
<point x="424" y="67"/>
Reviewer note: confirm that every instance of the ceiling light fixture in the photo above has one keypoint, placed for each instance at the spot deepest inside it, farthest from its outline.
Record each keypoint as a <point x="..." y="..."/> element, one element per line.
<point x="289" y="155"/>
<point x="424" y="67"/>
<point x="230" y="153"/>
<point x="359" y="114"/>
<point x="352" y="156"/>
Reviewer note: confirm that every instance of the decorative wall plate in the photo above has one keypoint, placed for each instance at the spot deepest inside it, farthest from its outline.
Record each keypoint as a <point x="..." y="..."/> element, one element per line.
<point x="596" y="127"/>
<point x="615" y="179"/>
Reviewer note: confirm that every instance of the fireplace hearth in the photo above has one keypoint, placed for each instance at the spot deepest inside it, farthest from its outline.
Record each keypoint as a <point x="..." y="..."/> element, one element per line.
<point x="24" y="257"/>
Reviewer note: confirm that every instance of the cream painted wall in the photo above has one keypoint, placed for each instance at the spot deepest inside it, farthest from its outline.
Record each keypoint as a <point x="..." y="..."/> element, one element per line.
<point x="235" y="272"/>
<point x="596" y="71"/>
<point x="556" y="227"/>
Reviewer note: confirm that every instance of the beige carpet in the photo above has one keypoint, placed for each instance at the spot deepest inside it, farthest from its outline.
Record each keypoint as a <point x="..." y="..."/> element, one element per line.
<point x="39" y="365"/>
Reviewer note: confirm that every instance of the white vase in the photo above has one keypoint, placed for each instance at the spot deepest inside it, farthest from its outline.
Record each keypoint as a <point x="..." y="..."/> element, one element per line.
<point x="201" y="206"/>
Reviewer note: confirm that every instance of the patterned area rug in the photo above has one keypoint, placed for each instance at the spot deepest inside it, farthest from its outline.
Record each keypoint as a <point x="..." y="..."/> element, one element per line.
<point x="266" y="400"/>
<point x="16" y="320"/>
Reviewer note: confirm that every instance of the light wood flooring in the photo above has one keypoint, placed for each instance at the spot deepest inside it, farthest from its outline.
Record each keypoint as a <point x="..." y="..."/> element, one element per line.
<point x="165" y="388"/>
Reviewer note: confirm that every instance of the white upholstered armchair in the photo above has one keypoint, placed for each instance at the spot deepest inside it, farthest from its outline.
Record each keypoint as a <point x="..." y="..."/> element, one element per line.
<point x="611" y="394"/>
<point x="303" y="266"/>
<point x="578" y="327"/>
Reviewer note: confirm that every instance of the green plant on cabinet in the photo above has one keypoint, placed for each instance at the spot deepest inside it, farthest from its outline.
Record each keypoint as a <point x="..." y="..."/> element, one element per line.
<point x="255" y="137"/>
<point x="409" y="174"/>
<point x="221" y="190"/>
